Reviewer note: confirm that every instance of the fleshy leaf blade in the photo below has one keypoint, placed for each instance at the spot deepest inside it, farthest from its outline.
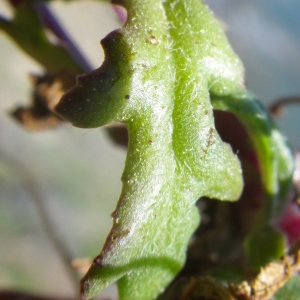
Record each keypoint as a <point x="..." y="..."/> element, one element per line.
<point x="157" y="78"/>
<point x="276" y="166"/>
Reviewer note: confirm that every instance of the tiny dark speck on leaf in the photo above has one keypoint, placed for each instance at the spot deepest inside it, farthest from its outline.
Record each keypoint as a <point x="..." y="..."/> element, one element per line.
<point x="153" y="40"/>
<point x="98" y="260"/>
<point x="86" y="285"/>
<point x="127" y="97"/>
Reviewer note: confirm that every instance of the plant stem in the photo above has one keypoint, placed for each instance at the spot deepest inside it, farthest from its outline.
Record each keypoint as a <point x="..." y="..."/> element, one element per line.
<point x="277" y="105"/>
<point x="52" y="23"/>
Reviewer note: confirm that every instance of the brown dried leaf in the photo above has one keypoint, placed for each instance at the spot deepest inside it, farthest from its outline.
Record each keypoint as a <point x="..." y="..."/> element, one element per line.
<point x="270" y="279"/>
<point x="48" y="89"/>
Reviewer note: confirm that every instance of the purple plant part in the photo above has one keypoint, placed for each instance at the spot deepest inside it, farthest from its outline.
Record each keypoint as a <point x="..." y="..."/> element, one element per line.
<point x="121" y="12"/>
<point x="51" y="23"/>
<point x="290" y="222"/>
<point x="290" y="219"/>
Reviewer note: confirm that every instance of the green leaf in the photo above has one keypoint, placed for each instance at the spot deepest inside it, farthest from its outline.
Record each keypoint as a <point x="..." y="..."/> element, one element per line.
<point x="159" y="72"/>
<point x="290" y="291"/>
<point x="276" y="166"/>
<point x="263" y="246"/>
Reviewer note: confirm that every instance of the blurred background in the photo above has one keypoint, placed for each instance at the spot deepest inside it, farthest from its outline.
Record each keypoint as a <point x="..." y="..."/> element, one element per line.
<point x="75" y="173"/>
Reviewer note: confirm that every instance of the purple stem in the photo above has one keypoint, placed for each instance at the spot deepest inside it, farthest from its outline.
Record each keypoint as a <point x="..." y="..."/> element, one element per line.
<point x="51" y="23"/>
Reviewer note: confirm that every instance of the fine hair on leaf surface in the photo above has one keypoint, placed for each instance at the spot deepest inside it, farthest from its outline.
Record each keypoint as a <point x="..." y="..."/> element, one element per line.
<point x="161" y="71"/>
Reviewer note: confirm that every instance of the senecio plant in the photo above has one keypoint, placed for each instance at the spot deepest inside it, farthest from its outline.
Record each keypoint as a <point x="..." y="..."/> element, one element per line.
<point x="169" y="75"/>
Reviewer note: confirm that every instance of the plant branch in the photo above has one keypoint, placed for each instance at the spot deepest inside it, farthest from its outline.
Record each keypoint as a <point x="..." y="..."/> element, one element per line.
<point x="49" y="20"/>
<point x="276" y="107"/>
